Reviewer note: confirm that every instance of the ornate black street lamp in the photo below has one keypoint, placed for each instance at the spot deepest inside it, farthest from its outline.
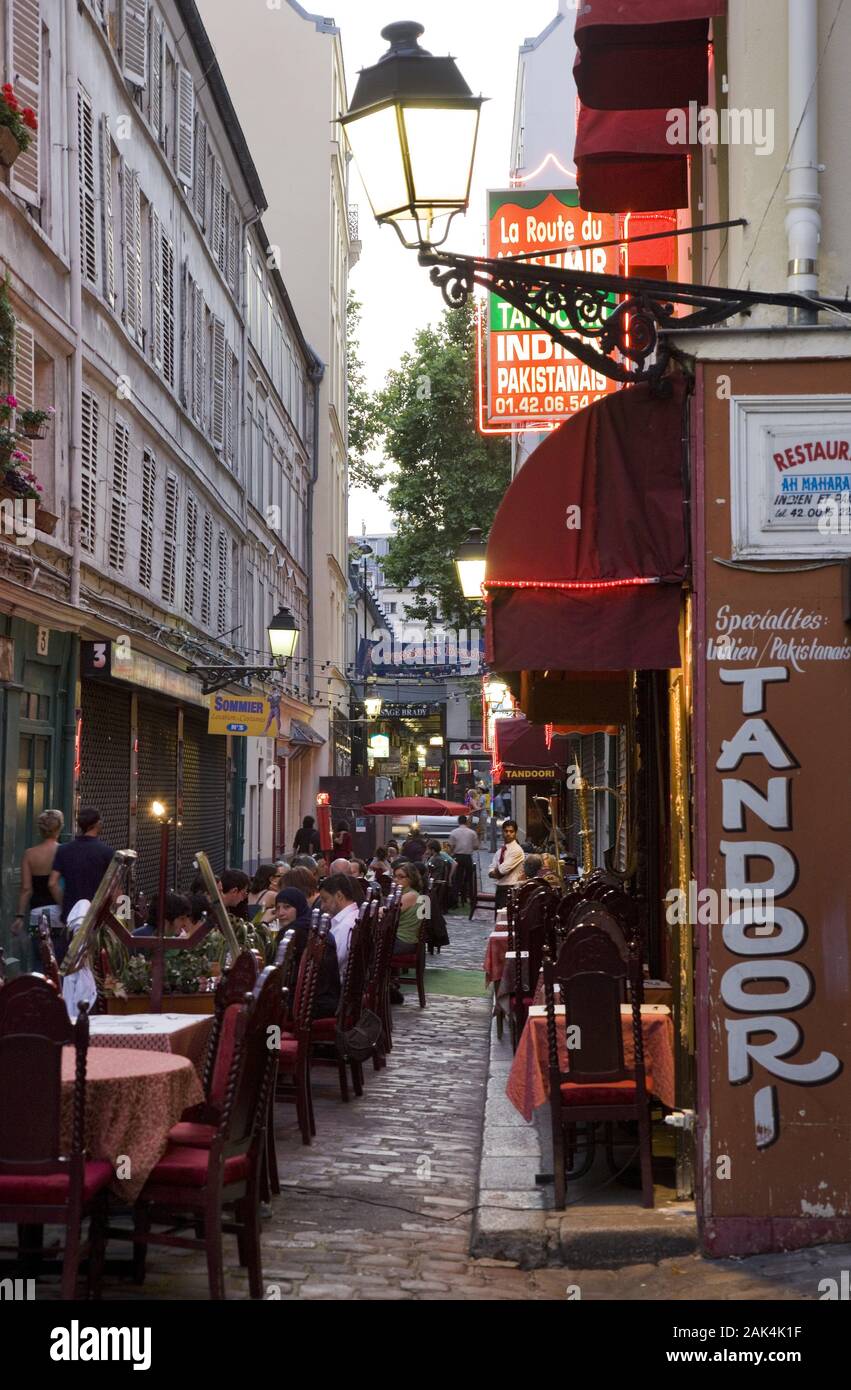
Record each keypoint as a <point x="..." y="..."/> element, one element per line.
<point x="283" y="634"/>
<point x="412" y="127"/>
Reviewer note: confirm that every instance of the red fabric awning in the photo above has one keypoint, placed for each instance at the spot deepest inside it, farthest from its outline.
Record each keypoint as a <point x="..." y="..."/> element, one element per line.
<point x="520" y="745"/>
<point x="625" y="163"/>
<point x="640" y="54"/>
<point x="586" y="554"/>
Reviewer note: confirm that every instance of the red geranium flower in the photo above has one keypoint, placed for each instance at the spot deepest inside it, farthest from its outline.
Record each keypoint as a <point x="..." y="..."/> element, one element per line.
<point x="29" y="118"/>
<point x="10" y="98"/>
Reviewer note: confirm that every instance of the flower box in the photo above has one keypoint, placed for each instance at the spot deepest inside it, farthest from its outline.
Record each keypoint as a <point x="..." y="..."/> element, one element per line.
<point x="45" y="521"/>
<point x="9" y="147"/>
<point x="172" y="1004"/>
<point x="34" y="431"/>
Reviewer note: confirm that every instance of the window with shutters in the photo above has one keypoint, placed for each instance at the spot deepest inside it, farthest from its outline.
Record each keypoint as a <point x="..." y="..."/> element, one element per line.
<point x="134" y="41"/>
<point x="170" y="538"/>
<point x="234" y="248"/>
<point x="190" y="556"/>
<point x="155" y="69"/>
<point x="25" y="54"/>
<point x="199" y="358"/>
<point x="222" y="582"/>
<point x="24" y="376"/>
<point x="86" y="168"/>
<point x="132" y="222"/>
<point x="185" y="125"/>
<point x="90" y="421"/>
<point x="217" y="381"/>
<point x="207" y="572"/>
<point x="231" y="404"/>
<point x="168" y="315"/>
<point x="107" y="157"/>
<point x="146" y="525"/>
<point x="118" y="497"/>
<point x="217" y="211"/>
<point x="156" y="276"/>
<point x="199" y="172"/>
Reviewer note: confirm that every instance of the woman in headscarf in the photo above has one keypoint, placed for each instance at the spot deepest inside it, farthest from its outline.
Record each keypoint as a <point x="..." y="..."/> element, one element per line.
<point x="294" y="913"/>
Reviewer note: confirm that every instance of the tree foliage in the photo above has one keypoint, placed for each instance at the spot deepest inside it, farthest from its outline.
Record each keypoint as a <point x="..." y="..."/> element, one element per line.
<point x="363" y="424"/>
<point x="448" y="477"/>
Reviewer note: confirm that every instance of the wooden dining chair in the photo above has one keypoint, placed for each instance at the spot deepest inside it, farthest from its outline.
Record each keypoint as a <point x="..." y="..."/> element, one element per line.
<point x="194" y="1186"/>
<point x="293" y="1078"/>
<point x="596" y="1087"/>
<point x="42" y="1181"/>
<point x="376" y="995"/>
<point x="414" y="960"/>
<point x="528" y="915"/>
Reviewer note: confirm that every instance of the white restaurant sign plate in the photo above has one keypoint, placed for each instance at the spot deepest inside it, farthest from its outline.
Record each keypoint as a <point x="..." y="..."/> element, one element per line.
<point x="791" y="477"/>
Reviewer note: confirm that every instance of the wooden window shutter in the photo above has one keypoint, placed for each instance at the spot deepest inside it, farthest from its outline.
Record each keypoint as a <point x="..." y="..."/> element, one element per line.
<point x="146" y="528"/>
<point x="24" y="23"/>
<point x="134" y="41"/>
<point x="172" y="498"/>
<point x="24" y="376"/>
<point x="217" y="378"/>
<point x="224" y="232"/>
<point x="199" y="190"/>
<point x="118" y="501"/>
<point x="86" y="169"/>
<point x="207" y="571"/>
<point x="185" y="124"/>
<point x="132" y="252"/>
<point x="106" y="211"/>
<point x="156" y="67"/>
<point x="190" y="557"/>
<point x="234" y="258"/>
<point x="168" y="304"/>
<point x="156" y="291"/>
<point x="223" y="583"/>
<point x="199" y="358"/>
<point x="90" y="421"/>
<point x="231" y="379"/>
<point x="185" y="336"/>
<point x="216" y="207"/>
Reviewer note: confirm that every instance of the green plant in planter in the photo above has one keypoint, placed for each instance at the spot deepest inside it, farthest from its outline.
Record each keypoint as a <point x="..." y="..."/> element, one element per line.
<point x="29" y="421"/>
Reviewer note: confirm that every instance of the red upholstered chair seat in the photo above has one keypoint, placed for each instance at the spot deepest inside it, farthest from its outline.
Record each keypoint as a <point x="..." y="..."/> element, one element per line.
<point x="183" y="1166"/>
<point x="324" y="1029"/>
<point x="192" y="1133"/>
<point x="607" y="1093"/>
<point x="288" y="1054"/>
<point x="406" y="961"/>
<point x="52" y="1188"/>
<point x="224" y="1054"/>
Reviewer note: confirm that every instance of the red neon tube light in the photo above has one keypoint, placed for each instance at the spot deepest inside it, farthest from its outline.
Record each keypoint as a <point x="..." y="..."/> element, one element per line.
<point x="579" y="584"/>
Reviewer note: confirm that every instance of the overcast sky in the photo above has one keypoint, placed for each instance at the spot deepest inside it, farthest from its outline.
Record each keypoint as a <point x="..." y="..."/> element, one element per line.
<point x="397" y="297"/>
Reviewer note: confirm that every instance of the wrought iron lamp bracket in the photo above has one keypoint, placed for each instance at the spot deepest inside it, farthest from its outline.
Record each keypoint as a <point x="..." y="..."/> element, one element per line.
<point x="625" y="341"/>
<point x="215" y="678"/>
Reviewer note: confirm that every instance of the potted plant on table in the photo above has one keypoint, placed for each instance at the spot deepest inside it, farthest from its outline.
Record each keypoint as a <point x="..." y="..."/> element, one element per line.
<point x="17" y="126"/>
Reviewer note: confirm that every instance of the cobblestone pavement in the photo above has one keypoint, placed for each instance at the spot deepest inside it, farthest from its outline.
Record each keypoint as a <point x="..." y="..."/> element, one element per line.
<point x="378" y="1207"/>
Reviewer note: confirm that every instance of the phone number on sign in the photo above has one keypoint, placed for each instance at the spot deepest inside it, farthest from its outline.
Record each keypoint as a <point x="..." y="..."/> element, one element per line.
<point x="544" y="405"/>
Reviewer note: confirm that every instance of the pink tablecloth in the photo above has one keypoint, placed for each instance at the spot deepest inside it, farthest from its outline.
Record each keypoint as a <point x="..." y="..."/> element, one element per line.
<point x="529" y="1082"/>
<point x="495" y="956"/>
<point x="133" y="1097"/>
<point x="185" y="1035"/>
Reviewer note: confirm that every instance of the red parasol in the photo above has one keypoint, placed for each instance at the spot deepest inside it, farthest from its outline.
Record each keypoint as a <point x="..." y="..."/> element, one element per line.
<point x="416" y="806"/>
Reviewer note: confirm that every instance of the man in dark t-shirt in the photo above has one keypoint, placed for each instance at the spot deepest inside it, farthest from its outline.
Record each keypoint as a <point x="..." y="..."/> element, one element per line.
<point x="81" y="864"/>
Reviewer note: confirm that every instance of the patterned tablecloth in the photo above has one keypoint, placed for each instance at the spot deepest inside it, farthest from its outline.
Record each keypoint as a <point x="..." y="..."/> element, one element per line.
<point x="529" y="1082"/>
<point x="186" y="1035"/>
<point x="133" y="1097"/>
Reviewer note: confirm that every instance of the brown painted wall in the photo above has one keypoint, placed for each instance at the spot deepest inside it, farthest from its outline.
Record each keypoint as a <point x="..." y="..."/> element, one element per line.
<point x="796" y="1189"/>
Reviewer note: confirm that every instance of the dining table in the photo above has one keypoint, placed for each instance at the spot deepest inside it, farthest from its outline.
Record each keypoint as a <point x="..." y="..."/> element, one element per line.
<point x="184" y="1035"/>
<point x="133" y="1097"/>
<point x="528" y="1083"/>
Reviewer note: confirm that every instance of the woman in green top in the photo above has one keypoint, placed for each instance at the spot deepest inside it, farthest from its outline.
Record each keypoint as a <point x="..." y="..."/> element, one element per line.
<point x="408" y="930"/>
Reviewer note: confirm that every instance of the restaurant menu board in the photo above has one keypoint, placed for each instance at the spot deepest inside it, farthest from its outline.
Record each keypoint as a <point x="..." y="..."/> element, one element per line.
<point x="791" y="476"/>
<point x="531" y="378"/>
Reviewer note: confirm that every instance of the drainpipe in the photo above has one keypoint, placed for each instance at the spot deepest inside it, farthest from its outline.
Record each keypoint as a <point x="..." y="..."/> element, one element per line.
<point x="803" y="200"/>
<point x="315" y="374"/>
<point x="75" y="307"/>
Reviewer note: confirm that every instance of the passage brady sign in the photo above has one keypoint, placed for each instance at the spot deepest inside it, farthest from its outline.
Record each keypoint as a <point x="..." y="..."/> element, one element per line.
<point x="532" y="379"/>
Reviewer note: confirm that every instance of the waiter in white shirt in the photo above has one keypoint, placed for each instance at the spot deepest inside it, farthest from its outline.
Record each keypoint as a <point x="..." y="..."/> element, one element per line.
<point x="507" y="864"/>
<point x="337" y="897"/>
